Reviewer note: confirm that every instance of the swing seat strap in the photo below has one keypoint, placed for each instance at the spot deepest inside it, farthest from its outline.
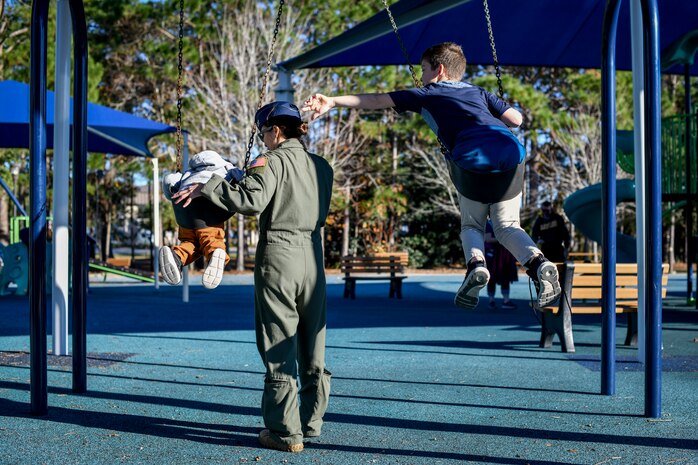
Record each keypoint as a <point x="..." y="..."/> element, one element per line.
<point x="487" y="187"/>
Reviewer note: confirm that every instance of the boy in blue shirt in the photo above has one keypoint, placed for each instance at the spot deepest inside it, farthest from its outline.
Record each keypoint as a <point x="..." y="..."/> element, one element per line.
<point x="473" y="125"/>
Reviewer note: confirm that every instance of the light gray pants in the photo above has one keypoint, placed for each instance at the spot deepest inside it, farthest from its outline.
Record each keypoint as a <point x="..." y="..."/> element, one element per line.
<point x="507" y="228"/>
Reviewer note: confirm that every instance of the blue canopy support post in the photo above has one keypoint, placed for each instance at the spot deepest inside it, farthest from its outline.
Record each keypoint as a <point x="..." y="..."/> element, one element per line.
<point x="689" y="181"/>
<point x="80" y="256"/>
<point x="37" y="210"/>
<point x="653" y="217"/>
<point x="284" y="90"/>
<point x="608" y="210"/>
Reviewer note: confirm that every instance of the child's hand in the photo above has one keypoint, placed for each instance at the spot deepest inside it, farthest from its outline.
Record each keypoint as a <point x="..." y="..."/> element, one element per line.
<point x="188" y="194"/>
<point x="319" y="104"/>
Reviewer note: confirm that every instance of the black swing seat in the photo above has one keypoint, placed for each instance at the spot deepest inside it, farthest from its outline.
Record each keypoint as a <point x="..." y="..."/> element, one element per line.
<point x="487" y="187"/>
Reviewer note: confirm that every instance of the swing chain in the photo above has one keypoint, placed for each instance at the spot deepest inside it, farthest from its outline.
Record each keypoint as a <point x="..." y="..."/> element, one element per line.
<point x="265" y="79"/>
<point x="180" y="70"/>
<point x="416" y="80"/>
<point x="494" y="50"/>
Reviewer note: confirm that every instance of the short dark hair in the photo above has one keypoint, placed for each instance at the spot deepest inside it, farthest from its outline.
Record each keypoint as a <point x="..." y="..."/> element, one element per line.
<point x="546" y="204"/>
<point x="448" y="54"/>
<point x="290" y="126"/>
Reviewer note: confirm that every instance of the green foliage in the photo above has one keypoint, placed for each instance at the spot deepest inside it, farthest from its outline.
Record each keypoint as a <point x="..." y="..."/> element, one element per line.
<point x="133" y="67"/>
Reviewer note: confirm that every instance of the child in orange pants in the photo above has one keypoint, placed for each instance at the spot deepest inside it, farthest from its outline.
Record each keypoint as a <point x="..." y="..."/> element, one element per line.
<point x="201" y="228"/>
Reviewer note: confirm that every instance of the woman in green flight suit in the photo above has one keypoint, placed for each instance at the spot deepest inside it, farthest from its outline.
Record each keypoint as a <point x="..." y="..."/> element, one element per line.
<point x="290" y="188"/>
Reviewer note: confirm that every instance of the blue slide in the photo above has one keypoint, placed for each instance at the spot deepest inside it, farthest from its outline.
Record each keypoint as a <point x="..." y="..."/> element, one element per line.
<point x="583" y="208"/>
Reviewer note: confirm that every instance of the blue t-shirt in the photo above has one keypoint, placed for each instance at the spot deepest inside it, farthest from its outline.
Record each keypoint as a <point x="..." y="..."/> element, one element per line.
<point x="465" y="118"/>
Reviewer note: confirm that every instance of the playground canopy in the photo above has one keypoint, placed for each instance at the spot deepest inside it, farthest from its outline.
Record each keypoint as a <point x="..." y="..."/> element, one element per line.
<point x="109" y="130"/>
<point x="556" y="33"/>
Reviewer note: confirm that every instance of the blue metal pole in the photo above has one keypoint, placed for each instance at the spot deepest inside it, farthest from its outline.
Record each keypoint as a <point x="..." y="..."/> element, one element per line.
<point x="37" y="210"/>
<point x="689" y="200"/>
<point x="80" y="256"/>
<point x="12" y="197"/>
<point x="608" y="207"/>
<point x="653" y="217"/>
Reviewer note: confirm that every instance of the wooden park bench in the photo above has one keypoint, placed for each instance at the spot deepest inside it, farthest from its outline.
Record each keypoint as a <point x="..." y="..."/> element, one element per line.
<point x="585" y="257"/>
<point x="374" y="268"/>
<point x="581" y="294"/>
<point x="124" y="262"/>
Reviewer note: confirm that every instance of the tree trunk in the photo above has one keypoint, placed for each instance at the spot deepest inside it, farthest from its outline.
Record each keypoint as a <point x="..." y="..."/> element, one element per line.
<point x="347" y="222"/>
<point x="392" y="220"/>
<point x="106" y="243"/>
<point x="670" y="243"/>
<point x="240" y="264"/>
<point x="4" y="219"/>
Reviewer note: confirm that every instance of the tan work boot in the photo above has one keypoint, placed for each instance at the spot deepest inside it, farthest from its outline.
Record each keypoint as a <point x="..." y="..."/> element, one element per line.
<point x="268" y="441"/>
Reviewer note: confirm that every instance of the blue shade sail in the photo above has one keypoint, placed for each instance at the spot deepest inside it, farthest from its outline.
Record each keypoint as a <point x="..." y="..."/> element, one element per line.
<point x="108" y="130"/>
<point x="555" y="33"/>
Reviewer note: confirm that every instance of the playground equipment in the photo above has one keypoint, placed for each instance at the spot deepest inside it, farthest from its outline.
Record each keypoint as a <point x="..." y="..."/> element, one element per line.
<point x="675" y="176"/>
<point x="14" y="278"/>
<point x="14" y="274"/>
<point x="582" y="208"/>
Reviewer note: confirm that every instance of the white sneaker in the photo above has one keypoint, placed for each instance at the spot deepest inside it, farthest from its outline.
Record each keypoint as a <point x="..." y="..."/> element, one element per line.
<point x="477" y="278"/>
<point x="170" y="266"/>
<point x="547" y="284"/>
<point x="214" y="271"/>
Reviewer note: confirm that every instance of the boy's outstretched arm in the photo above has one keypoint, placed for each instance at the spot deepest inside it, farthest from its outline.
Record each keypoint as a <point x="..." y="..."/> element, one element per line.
<point x="320" y="104"/>
<point x="512" y="118"/>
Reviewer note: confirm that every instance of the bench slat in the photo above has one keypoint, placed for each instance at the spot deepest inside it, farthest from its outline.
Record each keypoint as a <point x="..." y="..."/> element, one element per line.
<point x="591" y="280"/>
<point x="580" y="309"/>
<point x="596" y="293"/>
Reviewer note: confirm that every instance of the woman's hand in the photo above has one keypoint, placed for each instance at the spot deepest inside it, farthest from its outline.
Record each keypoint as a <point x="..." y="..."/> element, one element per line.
<point x="188" y="194"/>
<point x="319" y="104"/>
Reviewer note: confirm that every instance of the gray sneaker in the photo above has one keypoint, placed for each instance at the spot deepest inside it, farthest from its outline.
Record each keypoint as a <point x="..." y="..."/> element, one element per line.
<point x="170" y="266"/>
<point x="543" y="272"/>
<point x="214" y="271"/>
<point x="476" y="278"/>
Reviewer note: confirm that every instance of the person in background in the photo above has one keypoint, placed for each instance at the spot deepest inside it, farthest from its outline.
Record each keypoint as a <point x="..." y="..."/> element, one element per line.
<point x="551" y="234"/>
<point x="502" y="267"/>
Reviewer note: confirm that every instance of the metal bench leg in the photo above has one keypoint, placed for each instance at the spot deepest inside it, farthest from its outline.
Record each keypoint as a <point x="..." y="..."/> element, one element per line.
<point x="559" y="324"/>
<point x="546" y="334"/>
<point x="564" y="332"/>
<point x="391" y="293"/>
<point x="631" y="335"/>
<point x="349" y="288"/>
<point x="399" y="289"/>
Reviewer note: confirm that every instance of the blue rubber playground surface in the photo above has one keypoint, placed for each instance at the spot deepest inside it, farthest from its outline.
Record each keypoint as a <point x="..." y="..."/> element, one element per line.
<point x="415" y="381"/>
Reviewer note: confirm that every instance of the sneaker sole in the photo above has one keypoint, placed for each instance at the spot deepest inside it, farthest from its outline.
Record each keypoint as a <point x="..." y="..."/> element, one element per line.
<point x="169" y="269"/>
<point x="214" y="271"/>
<point x="468" y="294"/>
<point x="550" y="290"/>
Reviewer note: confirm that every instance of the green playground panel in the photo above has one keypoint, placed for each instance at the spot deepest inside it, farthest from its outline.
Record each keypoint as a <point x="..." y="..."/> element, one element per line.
<point x="108" y="269"/>
<point x="673" y="154"/>
<point x="14" y="276"/>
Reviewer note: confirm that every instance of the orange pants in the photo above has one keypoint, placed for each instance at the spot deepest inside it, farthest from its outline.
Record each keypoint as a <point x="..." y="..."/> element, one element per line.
<point x="194" y="243"/>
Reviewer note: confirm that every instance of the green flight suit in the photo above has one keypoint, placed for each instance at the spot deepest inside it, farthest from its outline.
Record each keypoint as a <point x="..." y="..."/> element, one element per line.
<point x="290" y="189"/>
